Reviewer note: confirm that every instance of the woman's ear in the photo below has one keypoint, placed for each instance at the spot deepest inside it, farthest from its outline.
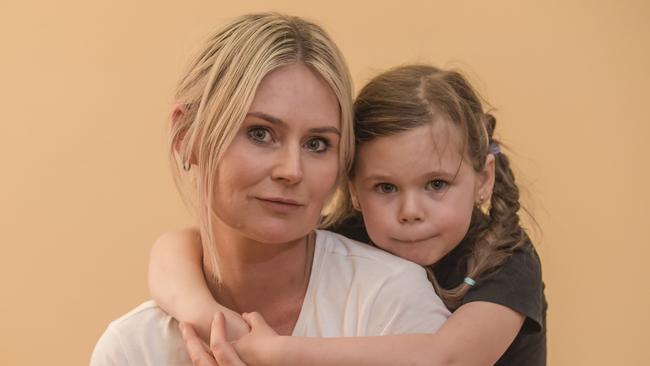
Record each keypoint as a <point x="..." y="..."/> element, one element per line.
<point x="485" y="182"/>
<point x="353" y="196"/>
<point x="178" y="112"/>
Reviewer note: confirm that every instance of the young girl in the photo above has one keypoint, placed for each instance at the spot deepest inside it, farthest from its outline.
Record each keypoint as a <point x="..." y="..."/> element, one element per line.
<point x="432" y="186"/>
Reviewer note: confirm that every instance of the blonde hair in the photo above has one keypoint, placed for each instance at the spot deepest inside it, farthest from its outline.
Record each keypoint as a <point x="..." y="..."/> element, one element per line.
<point x="217" y="90"/>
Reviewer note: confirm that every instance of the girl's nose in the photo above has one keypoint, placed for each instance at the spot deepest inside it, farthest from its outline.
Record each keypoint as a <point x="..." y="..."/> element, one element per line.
<point x="411" y="211"/>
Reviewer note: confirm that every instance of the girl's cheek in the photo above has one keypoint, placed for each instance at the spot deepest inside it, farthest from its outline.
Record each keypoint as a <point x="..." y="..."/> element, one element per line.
<point x="376" y="217"/>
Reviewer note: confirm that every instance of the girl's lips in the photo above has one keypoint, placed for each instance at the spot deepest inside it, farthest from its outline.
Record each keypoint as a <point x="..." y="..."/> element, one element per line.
<point x="411" y="241"/>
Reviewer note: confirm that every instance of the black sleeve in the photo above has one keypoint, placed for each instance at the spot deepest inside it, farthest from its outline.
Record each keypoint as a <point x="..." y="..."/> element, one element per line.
<point x="518" y="285"/>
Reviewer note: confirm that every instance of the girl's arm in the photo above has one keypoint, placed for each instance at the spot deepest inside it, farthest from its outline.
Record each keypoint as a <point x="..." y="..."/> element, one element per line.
<point x="478" y="333"/>
<point x="178" y="286"/>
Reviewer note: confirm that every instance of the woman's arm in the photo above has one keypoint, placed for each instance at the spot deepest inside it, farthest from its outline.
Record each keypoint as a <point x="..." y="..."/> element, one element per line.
<point x="177" y="284"/>
<point x="478" y="333"/>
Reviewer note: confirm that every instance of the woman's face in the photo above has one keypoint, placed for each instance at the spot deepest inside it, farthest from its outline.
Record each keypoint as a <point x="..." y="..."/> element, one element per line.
<point x="282" y="165"/>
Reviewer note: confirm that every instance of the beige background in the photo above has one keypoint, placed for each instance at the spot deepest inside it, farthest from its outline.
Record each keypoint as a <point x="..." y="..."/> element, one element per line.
<point x="85" y="189"/>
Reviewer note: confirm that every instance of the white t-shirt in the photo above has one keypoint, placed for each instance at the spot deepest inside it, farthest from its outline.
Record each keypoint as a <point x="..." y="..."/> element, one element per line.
<point x="354" y="290"/>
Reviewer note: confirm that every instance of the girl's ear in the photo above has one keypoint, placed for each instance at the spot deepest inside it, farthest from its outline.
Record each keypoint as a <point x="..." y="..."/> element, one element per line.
<point x="353" y="196"/>
<point x="485" y="182"/>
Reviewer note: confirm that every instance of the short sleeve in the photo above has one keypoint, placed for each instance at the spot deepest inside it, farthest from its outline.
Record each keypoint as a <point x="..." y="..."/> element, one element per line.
<point x="108" y="350"/>
<point x="407" y="303"/>
<point x="518" y="285"/>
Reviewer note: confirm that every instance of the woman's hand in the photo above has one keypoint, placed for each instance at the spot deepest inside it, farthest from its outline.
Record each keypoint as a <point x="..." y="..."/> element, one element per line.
<point x="256" y="347"/>
<point x="197" y="349"/>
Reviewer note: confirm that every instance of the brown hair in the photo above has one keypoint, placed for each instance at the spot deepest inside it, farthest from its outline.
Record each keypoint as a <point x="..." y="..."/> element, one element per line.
<point x="411" y="96"/>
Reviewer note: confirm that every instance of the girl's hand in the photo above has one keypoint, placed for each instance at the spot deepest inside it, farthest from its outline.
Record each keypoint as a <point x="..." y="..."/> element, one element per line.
<point x="256" y="347"/>
<point x="259" y="347"/>
<point x="219" y="353"/>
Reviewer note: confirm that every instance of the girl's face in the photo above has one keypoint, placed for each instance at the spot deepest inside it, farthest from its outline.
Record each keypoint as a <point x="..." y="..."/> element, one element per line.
<point x="417" y="189"/>
<point x="282" y="165"/>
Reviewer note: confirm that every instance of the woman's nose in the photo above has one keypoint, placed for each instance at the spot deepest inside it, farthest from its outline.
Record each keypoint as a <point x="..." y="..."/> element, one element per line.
<point x="288" y="167"/>
<point x="411" y="210"/>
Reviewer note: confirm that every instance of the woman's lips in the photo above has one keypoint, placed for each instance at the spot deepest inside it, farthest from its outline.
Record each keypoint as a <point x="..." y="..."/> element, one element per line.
<point x="280" y="204"/>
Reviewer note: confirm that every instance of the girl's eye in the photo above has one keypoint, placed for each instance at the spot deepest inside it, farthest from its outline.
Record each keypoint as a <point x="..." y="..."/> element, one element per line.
<point x="437" y="185"/>
<point x="317" y="145"/>
<point x="259" y="134"/>
<point x="385" y="188"/>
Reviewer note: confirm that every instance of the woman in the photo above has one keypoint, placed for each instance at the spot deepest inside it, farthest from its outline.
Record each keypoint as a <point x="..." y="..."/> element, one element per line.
<point x="263" y="132"/>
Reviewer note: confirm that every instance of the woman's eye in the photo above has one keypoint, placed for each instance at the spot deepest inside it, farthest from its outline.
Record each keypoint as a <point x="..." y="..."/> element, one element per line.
<point x="437" y="185"/>
<point x="385" y="188"/>
<point x="317" y="145"/>
<point x="259" y="134"/>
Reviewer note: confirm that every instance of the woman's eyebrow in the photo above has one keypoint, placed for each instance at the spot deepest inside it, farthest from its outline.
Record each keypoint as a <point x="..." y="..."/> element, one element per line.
<point x="267" y="117"/>
<point x="333" y="130"/>
<point x="278" y="121"/>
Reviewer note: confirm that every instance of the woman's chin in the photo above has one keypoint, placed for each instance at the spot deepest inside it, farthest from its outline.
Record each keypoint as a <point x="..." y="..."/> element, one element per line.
<point x="285" y="229"/>
<point x="278" y="234"/>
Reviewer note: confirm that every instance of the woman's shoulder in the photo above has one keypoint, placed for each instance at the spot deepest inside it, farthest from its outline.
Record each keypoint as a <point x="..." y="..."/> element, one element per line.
<point x="144" y="334"/>
<point x="379" y="293"/>
<point x="338" y="247"/>
<point x="147" y="313"/>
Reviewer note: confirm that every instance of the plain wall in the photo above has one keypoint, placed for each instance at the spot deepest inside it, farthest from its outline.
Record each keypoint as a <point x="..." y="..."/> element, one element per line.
<point x="86" y="89"/>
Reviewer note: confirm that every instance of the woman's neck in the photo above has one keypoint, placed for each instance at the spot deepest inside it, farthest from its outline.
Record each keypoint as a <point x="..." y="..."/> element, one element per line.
<point x="267" y="278"/>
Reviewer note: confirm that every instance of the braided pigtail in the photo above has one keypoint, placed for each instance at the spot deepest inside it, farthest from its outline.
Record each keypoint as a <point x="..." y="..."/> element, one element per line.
<point x="493" y="236"/>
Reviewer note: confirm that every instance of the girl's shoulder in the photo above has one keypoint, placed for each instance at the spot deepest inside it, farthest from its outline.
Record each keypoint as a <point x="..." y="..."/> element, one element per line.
<point x="516" y="284"/>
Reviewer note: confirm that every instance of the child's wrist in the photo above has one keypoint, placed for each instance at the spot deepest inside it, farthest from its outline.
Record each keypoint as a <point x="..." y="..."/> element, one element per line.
<point x="272" y="351"/>
<point x="277" y="351"/>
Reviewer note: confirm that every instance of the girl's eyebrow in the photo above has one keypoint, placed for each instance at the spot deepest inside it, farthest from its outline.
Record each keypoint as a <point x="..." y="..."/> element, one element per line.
<point x="387" y="177"/>
<point x="277" y="121"/>
<point x="377" y="177"/>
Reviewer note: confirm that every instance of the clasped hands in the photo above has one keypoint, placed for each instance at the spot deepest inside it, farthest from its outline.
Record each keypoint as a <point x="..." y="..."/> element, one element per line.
<point x="253" y="348"/>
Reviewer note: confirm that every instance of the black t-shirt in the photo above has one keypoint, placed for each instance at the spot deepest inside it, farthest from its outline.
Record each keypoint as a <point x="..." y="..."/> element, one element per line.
<point x="517" y="284"/>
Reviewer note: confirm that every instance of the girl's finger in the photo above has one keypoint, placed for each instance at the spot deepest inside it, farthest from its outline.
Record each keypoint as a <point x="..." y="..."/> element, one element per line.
<point x="256" y="321"/>
<point x="221" y="349"/>
<point x="195" y="347"/>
